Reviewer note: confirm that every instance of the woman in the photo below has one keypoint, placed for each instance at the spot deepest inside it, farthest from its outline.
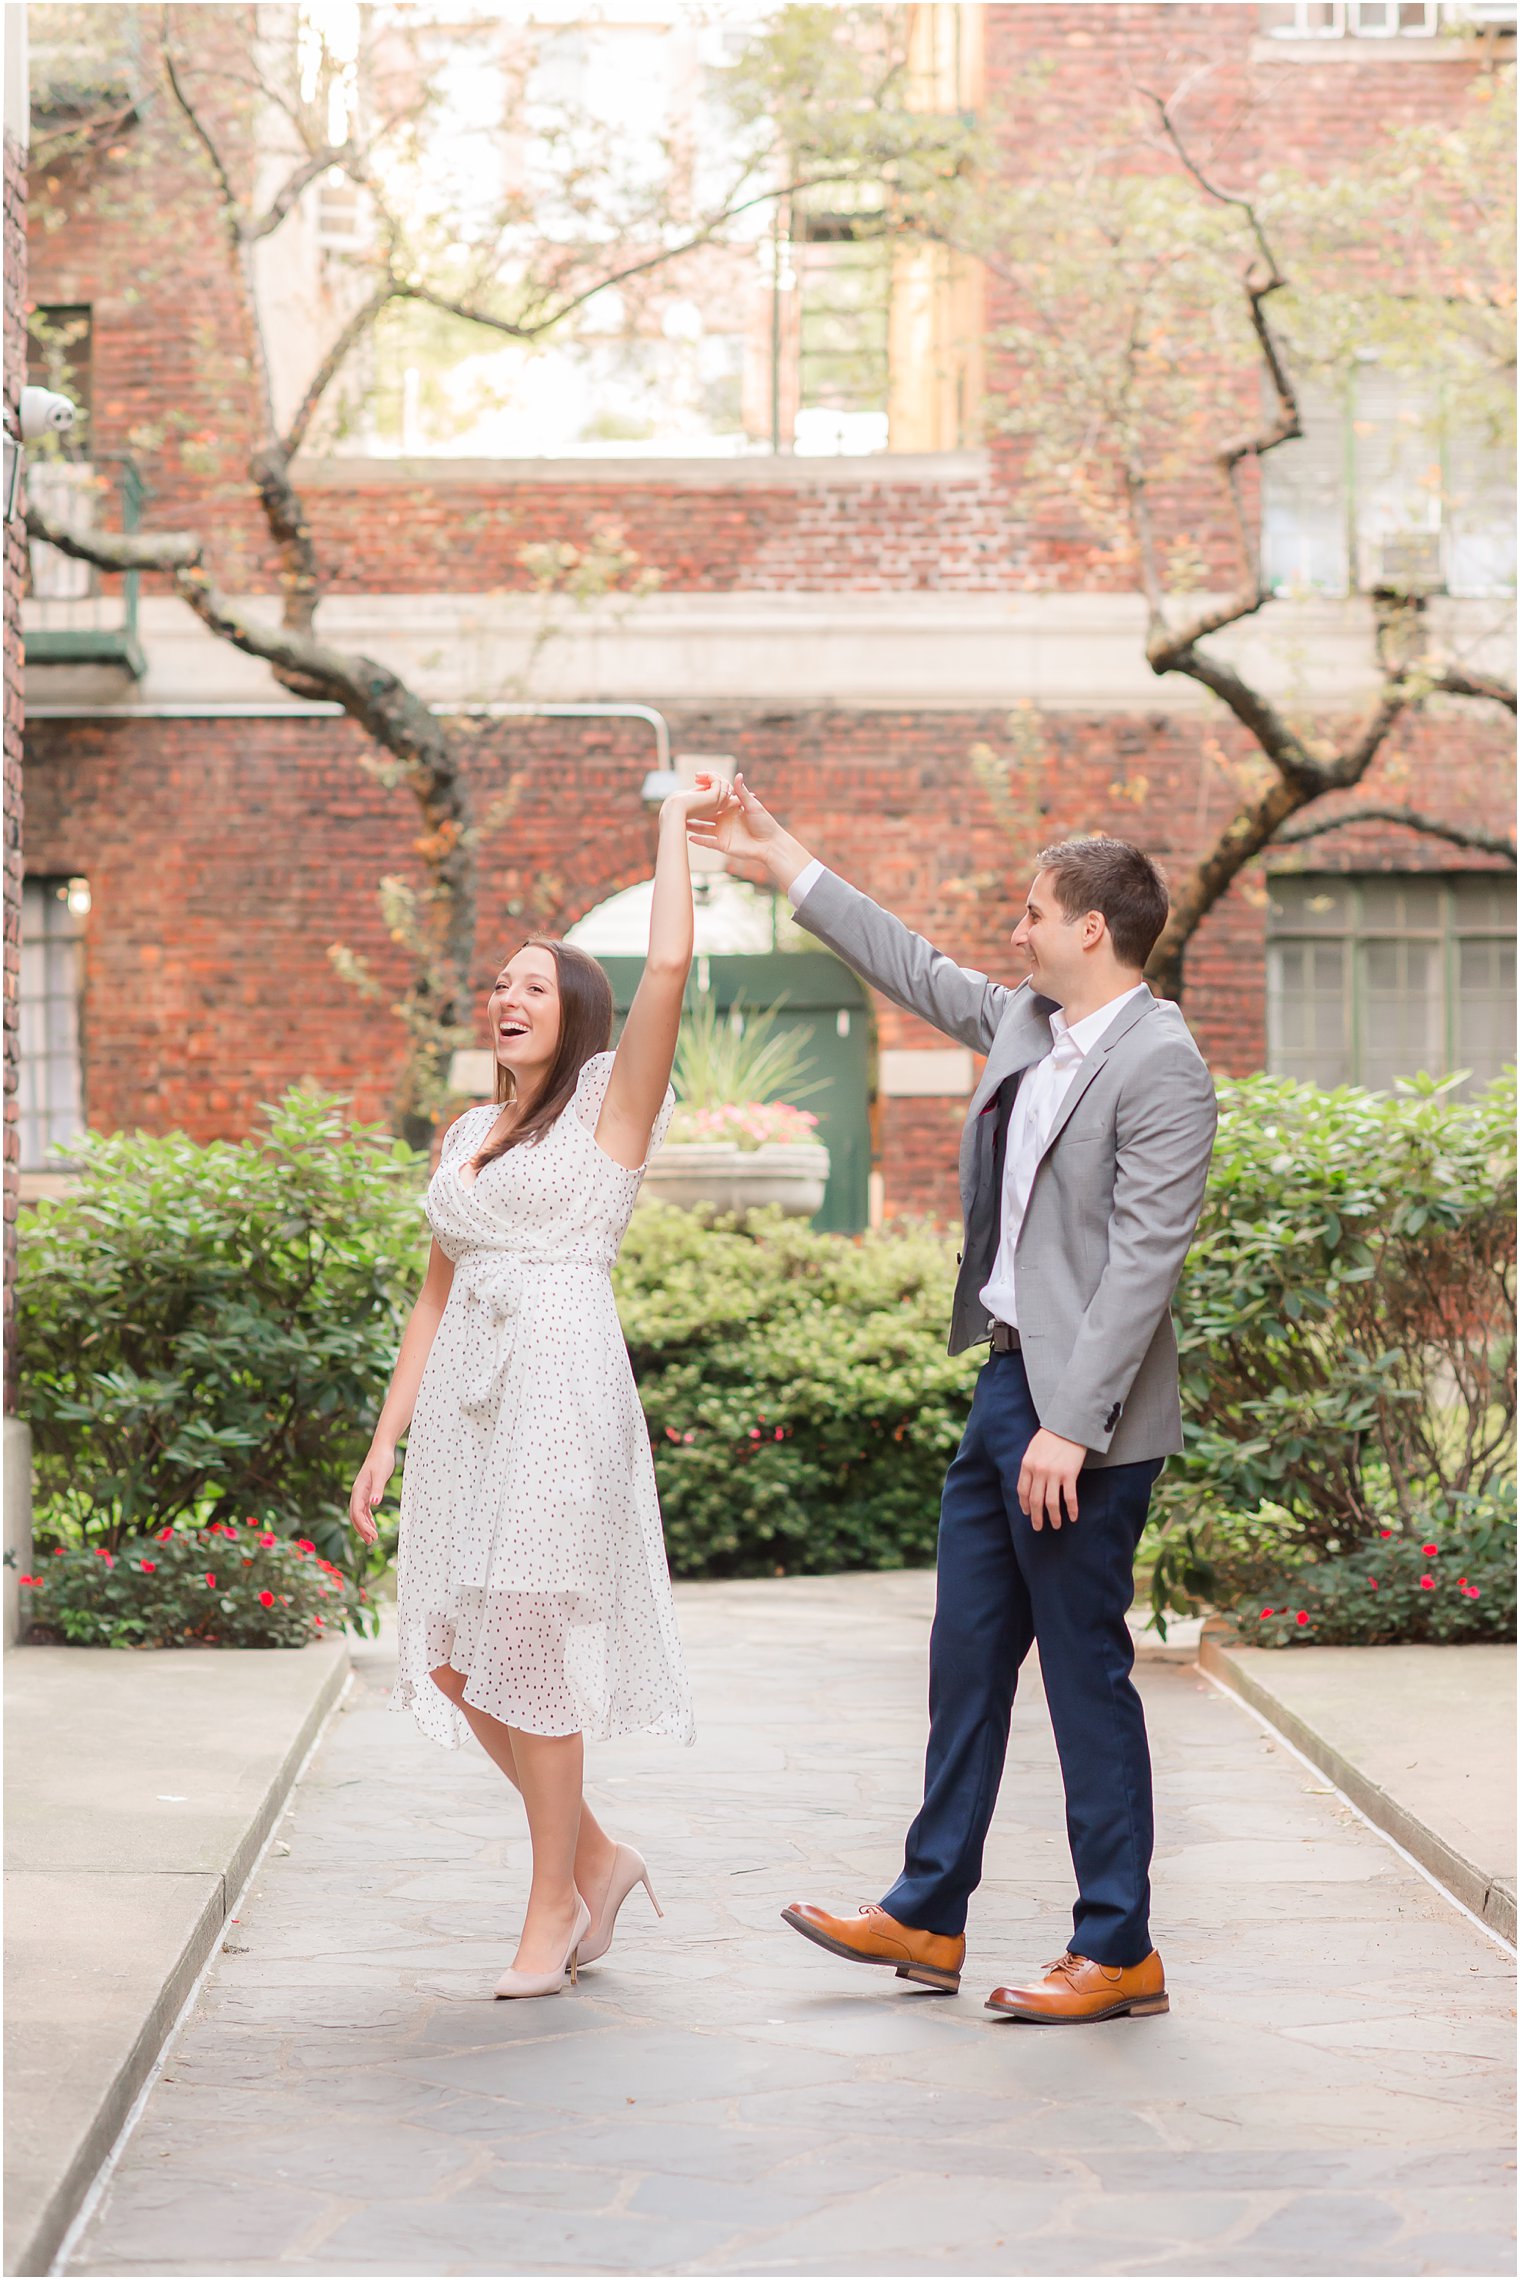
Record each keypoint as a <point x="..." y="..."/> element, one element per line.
<point x="534" y="1598"/>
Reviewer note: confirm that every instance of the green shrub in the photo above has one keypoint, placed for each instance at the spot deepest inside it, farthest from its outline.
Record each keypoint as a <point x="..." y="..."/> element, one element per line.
<point x="1448" y="1578"/>
<point x="207" y="1330"/>
<point x="1346" y="1327"/>
<point x="219" y="1586"/>
<point x="801" y="1404"/>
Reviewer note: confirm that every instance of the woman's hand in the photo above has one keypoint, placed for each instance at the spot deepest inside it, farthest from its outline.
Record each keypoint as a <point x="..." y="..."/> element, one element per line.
<point x="369" y="1489"/>
<point x="705" y="799"/>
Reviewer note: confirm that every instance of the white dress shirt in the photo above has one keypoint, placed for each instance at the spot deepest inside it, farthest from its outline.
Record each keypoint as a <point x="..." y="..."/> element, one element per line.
<point x="1041" y="1092"/>
<point x="803" y="883"/>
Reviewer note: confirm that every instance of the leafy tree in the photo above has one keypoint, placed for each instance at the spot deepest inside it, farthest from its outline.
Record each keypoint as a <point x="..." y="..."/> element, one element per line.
<point x="266" y="105"/>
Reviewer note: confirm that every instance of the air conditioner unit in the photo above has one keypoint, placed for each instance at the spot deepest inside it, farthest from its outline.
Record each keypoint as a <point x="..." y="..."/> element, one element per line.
<point x="1409" y="563"/>
<point x="340" y="219"/>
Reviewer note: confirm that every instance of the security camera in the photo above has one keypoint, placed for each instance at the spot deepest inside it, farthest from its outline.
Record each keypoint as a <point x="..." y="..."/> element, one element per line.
<point x="44" y="413"/>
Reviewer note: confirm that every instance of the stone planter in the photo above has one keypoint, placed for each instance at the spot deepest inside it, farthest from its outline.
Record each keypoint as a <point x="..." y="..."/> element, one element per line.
<point x="789" y="1174"/>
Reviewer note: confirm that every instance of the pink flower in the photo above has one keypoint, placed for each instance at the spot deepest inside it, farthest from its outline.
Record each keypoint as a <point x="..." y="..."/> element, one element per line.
<point x="305" y="1544"/>
<point x="754" y="1432"/>
<point x="149" y="1567"/>
<point x="164" y="1534"/>
<point x="267" y="1542"/>
<point x="1427" y="1583"/>
<point x="1473" y="1592"/>
<point x="1372" y="1583"/>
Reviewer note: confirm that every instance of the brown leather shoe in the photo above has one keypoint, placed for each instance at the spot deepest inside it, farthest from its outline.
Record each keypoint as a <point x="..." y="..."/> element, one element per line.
<point x="1075" y="1989"/>
<point x="931" y="1958"/>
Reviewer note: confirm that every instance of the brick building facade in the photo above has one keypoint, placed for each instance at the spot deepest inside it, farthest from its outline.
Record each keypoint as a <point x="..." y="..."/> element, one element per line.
<point x="15" y="579"/>
<point x="864" y="636"/>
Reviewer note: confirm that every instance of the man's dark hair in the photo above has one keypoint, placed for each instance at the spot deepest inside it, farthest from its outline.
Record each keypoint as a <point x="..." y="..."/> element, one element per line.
<point x="1117" y="880"/>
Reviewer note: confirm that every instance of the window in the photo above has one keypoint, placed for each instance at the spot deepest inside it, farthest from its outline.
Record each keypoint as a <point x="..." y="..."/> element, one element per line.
<point x="1381" y="490"/>
<point x="53" y="913"/>
<point x="1374" y="978"/>
<point x="1353" y="19"/>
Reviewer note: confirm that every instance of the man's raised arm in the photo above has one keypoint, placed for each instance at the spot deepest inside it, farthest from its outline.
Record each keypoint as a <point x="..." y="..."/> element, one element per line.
<point x="895" y="960"/>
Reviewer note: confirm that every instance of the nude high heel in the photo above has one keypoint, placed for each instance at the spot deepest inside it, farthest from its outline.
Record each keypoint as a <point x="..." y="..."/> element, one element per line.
<point x="517" y="1983"/>
<point x="628" y="1869"/>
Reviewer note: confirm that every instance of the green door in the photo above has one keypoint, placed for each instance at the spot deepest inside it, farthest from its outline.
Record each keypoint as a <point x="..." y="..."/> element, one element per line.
<point x="824" y="1000"/>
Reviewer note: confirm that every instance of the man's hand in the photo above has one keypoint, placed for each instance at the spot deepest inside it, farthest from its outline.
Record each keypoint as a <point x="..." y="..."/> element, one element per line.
<point x="1047" y="1476"/>
<point x="746" y="832"/>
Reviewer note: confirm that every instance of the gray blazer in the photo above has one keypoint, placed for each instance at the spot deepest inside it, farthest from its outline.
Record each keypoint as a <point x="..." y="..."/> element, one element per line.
<point x="1116" y="1193"/>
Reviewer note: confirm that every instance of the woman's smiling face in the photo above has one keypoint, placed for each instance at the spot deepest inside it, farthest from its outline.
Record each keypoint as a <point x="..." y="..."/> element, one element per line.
<point x="523" y="1010"/>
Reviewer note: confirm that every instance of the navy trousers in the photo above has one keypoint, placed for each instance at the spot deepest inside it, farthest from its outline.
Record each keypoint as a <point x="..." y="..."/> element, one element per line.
<point x="1002" y="1586"/>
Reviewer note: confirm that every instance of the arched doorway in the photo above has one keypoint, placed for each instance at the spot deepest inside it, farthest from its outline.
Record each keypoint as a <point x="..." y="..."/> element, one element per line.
<point x="750" y="954"/>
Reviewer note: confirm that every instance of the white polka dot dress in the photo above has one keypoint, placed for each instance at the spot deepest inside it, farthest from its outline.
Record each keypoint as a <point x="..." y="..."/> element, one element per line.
<point x="531" y="1555"/>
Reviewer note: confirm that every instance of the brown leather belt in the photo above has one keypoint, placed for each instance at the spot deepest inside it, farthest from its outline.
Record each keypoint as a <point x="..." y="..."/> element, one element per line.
<point x="1005" y="1339"/>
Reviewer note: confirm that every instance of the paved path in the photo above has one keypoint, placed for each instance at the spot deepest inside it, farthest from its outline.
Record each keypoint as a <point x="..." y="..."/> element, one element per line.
<point x="1330" y="2092"/>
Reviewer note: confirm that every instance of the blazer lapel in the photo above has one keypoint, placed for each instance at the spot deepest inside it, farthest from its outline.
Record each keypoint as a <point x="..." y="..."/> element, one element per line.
<point x="1023" y="1037"/>
<point x="1136" y="1010"/>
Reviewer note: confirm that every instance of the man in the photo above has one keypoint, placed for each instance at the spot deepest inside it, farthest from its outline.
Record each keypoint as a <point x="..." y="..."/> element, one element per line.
<point x="1082" y="1170"/>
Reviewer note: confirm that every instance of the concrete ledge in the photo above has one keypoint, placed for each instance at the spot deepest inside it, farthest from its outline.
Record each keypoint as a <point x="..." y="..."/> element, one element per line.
<point x="1422" y="1739"/>
<point x="140" y="1789"/>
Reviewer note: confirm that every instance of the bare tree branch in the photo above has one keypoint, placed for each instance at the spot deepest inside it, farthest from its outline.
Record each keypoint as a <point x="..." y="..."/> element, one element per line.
<point x="1409" y="819"/>
<point x="232" y="211"/>
<point x="1455" y="681"/>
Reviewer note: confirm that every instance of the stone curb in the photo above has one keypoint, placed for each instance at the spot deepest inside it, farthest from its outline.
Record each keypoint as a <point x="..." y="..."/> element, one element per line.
<point x="79" y="2085"/>
<point x="1490" y="1897"/>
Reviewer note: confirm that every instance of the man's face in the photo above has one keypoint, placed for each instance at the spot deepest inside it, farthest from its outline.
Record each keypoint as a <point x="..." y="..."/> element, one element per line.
<point x="1050" y="940"/>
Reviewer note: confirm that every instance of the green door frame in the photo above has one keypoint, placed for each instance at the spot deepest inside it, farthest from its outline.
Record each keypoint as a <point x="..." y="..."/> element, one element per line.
<point x="824" y="999"/>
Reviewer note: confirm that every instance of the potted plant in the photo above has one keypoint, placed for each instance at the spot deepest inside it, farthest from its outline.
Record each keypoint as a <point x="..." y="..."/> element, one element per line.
<point x="739" y="1139"/>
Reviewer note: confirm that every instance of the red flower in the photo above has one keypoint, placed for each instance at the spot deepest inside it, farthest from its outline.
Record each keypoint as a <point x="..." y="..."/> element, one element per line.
<point x="305" y="1544"/>
<point x="266" y="1541"/>
<point x="671" y="1434"/>
<point x="754" y="1432"/>
<point x="266" y="1598"/>
<point x="1386" y="1533"/>
<point x="321" y="1626"/>
<point x="1473" y="1592"/>
<point x="1266" y="1611"/>
<point x="1300" y="1617"/>
<point x="1430" y="1550"/>
<point x="164" y="1534"/>
<point x="211" y="1583"/>
<point x="1461" y="1583"/>
<point x="1427" y="1583"/>
<point x="30" y="1582"/>
<point x="149" y="1567"/>
<point x="1372" y="1583"/>
<point x="58" y="1551"/>
<point x="780" y="1433"/>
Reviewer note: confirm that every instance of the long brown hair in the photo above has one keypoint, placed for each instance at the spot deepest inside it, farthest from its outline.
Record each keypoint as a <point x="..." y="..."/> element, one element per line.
<point x="585" y="1027"/>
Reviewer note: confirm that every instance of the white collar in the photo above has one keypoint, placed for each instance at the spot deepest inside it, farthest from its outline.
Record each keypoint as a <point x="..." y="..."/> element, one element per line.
<point x="1085" y="1033"/>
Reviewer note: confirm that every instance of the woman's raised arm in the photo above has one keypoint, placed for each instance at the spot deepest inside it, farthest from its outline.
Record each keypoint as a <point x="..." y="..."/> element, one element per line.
<point x="647" y="1047"/>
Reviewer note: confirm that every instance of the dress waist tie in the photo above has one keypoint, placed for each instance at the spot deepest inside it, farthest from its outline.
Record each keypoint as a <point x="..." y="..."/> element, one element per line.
<point x="497" y="1280"/>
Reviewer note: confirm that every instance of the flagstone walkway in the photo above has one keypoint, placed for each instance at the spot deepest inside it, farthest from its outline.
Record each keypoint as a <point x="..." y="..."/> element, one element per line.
<point x="1331" y="2091"/>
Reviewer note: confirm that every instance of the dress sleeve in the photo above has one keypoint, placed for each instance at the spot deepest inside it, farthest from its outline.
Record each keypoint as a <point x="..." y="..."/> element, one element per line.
<point x="591" y="1091"/>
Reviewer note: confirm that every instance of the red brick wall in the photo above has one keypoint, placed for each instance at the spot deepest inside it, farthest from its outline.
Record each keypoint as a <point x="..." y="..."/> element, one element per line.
<point x="225" y="856"/>
<point x="15" y="570"/>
